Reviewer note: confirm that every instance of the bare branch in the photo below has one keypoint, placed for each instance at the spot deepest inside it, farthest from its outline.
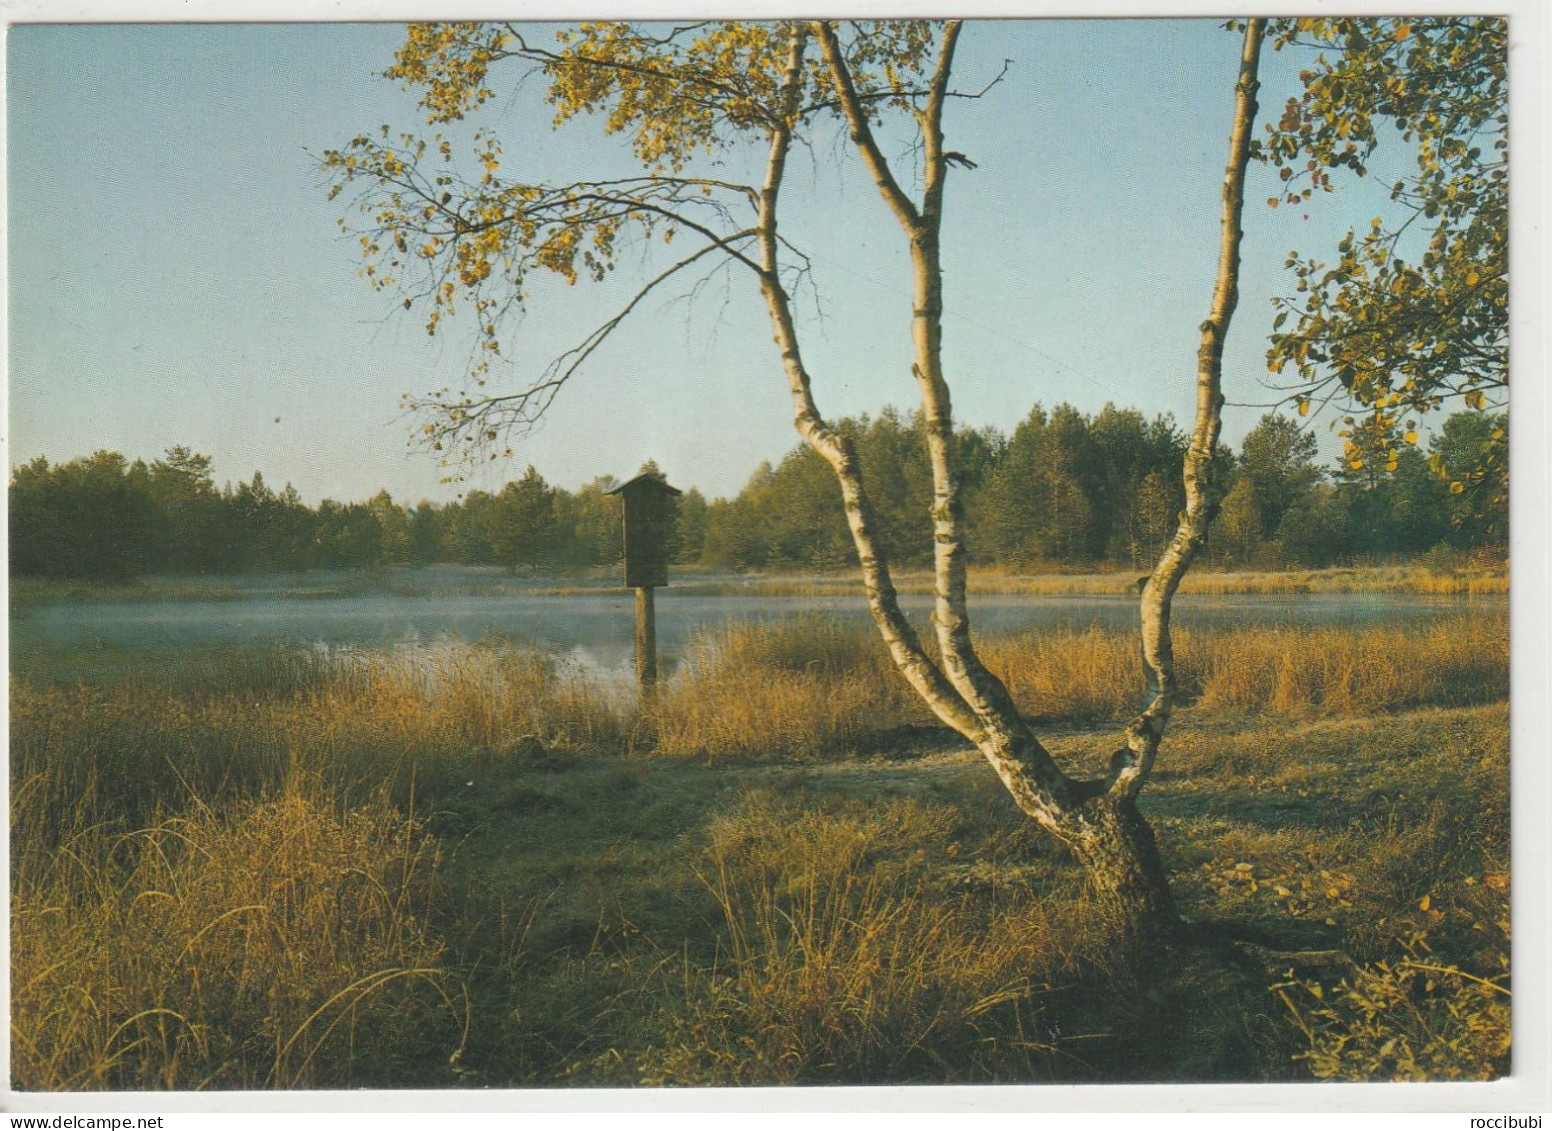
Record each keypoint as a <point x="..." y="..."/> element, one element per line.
<point x="861" y="131"/>
<point x="936" y="166"/>
<point x="476" y="418"/>
<point x="908" y="94"/>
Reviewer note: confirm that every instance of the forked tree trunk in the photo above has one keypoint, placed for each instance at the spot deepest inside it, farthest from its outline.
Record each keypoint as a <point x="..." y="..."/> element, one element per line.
<point x="1128" y="886"/>
<point x="1097" y="820"/>
<point x="1112" y="842"/>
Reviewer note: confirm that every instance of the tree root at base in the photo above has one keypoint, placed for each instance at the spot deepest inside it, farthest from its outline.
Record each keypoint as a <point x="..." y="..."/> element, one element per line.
<point x="1250" y="944"/>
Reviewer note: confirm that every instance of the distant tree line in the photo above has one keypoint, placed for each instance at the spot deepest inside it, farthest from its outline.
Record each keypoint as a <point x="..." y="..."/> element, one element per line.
<point x="103" y="516"/>
<point x="1071" y="490"/>
<point x="1065" y="490"/>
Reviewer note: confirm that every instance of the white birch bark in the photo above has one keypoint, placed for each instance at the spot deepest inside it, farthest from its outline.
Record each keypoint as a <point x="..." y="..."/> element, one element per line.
<point x="982" y="691"/>
<point x="1037" y="784"/>
<point x="899" y="636"/>
<point x="1159" y="592"/>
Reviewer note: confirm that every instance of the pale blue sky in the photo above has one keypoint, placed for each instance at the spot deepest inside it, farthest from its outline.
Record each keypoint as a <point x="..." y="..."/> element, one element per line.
<point x="177" y="276"/>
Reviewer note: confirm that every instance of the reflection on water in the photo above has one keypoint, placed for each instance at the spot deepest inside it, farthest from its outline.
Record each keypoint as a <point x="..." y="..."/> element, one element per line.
<point x="592" y="630"/>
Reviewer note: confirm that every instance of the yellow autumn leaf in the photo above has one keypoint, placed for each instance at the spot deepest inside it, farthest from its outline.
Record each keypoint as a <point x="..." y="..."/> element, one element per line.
<point x="1424" y="903"/>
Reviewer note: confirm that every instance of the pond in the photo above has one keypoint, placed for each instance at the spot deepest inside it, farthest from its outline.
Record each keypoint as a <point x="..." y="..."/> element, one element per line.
<point x="592" y="628"/>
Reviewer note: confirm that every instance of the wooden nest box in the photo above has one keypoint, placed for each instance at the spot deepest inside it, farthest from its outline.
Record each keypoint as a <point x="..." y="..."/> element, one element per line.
<point x="648" y="523"/>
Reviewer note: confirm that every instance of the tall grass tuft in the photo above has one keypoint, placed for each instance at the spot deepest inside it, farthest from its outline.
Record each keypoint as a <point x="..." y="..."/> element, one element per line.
<point x="1460" y="661"/>
<point x="786" y="689"/>
<point x="811" y="687"/>
<point x="1086" y="674"/>
<point x="283" y="944"/>
<point x="842" y="964"/>
<point x="1296" y="670"/>
<point x="219" y="878"/>
<point x="244" y="725"/>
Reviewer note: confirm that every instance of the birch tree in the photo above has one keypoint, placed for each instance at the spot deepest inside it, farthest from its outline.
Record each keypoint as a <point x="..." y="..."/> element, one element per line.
<point x="439" y="240"/>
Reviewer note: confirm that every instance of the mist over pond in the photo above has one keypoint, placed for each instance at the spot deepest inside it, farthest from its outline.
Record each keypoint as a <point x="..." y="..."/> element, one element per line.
<point x="590" y="627"/>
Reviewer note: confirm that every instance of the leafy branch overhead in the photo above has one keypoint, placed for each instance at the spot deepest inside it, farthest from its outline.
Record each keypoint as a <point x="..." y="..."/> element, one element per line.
<point x="439" y="238"/>
<point x="1412" y="314"/>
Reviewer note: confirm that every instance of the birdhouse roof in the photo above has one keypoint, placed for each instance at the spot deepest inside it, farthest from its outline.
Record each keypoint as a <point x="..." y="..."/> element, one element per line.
<point x="643" y="479"/>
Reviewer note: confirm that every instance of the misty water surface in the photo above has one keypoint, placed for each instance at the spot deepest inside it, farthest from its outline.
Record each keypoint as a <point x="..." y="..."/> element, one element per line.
<point x="592" y="629"/>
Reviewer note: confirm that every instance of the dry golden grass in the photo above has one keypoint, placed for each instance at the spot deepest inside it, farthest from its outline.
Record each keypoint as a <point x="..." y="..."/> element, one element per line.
<point x="217" y="877"/>
<point x="785" y="715"/>
<point x="836" y="899"/>
<point x="244" y="725"/>
<point x="221" y="877"/>
<point x="1088" y="674"/>
<point x="280" y="945"/>
<point x="809" y="687"/>
<point x="841" y="963"/>
<point x="1484" y="580"/>
<point x="787" y="689"/>
<point x="1293" y="670"/>
<point x="1439" y="572"/>
<point x="1454" y="662"/>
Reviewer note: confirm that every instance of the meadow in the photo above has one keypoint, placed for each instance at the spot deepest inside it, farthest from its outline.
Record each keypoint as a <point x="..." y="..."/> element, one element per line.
<point x="478" y="866"/>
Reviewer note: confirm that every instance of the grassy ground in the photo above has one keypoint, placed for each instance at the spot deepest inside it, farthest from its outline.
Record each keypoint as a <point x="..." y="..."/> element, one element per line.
<point x="482" y="870"/>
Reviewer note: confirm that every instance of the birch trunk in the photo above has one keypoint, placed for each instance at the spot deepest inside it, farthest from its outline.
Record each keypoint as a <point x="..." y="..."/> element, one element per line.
<point x="1201" y="505"/>
<point x="1037" y="784"/>
<point x="898" y="634"/>
<point x="1097" y="820"/>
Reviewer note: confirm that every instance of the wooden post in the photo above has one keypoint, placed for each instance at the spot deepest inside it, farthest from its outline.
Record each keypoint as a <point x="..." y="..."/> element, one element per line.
<point x="646" y="641"/>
